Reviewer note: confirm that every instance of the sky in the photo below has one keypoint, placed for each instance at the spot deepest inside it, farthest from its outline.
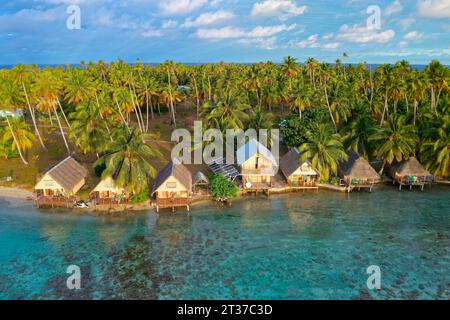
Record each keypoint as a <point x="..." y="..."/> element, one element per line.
<point x="245" y="31"/>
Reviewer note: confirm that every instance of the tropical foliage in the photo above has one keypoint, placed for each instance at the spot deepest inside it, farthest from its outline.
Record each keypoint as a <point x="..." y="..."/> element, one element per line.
<point x="221" y="188"/>
<point x="105" y="110"/>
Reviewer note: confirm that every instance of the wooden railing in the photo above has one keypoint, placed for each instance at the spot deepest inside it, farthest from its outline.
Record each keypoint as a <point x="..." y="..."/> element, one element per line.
<point x="172" y="202"/>
<point x="55" y="201"/>
<point x="302" y="184"/>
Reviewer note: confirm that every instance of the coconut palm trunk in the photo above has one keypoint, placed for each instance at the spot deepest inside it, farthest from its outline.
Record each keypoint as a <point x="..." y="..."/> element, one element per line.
<point x="328" y="105"/>
<point x="121" y="115"/>
<point x="33" y="117"/>
<point x="16" y="142"/>
<point x="197" y="96"/>
<point x="172" y="109"/>
<point x="101" y="116"/>
<point x="61" y="129"/>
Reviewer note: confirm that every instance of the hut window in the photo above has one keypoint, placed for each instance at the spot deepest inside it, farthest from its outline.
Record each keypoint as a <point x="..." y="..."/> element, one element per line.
<point x="257" y="163"/>
<point x="171" y="185"/>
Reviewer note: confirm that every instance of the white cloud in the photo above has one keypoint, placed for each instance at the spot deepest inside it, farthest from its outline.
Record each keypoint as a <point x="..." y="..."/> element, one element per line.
<point x="283" y="9"/>
<point x="332" y="45"/>
<point x="169" y="24"/>
<point x="406" y="22"/>
<point x="263" y="43"/>
<point x="434" y="8"/>
<point x="313" y="42"/>
<point x="393" y="8"/>
<point x="413" y="36"/>
<point x="209" y="18"/>
<point x="236" y="33"/>
<point x="362" y="34"/>
<point x="222" y="33"/>
<point x="180" y="7"/>
<point x="260" y="31"/>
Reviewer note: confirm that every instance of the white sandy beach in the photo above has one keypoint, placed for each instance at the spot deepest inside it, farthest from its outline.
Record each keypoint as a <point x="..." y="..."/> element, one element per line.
<point x="15" y="193"/>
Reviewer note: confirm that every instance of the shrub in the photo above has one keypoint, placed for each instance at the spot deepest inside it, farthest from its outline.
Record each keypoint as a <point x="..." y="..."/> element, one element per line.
<point x="221" y="188"/>
<point x="139" y="197"/>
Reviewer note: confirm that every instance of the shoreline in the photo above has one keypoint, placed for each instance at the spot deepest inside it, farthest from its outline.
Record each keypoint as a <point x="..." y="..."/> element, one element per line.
<point x="24" y="196"/>
<point x="16" y="193"/>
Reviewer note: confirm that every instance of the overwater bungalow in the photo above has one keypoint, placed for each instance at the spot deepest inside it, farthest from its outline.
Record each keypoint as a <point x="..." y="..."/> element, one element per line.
<point x="357" y="173"/>
<point x="410" y="173"/>
<point x="59" y="185"/>
<point x="107" y="193"/>
<point x="173" y="186"/>
<point x="298" y="174"/>
<point x="258" y="166"/>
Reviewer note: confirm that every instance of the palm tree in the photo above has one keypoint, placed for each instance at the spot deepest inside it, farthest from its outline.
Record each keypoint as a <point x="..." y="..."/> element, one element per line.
<point x="88" y="129"/>
<point x="324" y="149"/>
<point x="46" y="89"/>
<point x="170" y="68"/>
<point x="23" y="76"/>
<point x="78" y="86"/>
<point x="394" y="141"/>
<point x="418" y="85"/>
<point x="10" y="97"/>
<point x="290" y="68"/>
<point x="126" y="160"/>
<point x="228" y="110"/>
<point x="435" y="153"/>
<point x="358" y="136"/>
<point x="19" y="136"/>
<point x="301" y="97"/>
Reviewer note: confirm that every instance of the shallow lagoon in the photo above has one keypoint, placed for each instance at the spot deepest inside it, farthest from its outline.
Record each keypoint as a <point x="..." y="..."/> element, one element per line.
<point x="312" y="245"/>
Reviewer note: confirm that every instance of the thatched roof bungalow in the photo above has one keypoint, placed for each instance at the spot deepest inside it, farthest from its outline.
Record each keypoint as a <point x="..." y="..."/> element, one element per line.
<point x="357" y="171"/>
<point x="297" y="173"/>
<point x="173" y="185"/>
<point x="258" y="165"/>
<point x="64" y="179"/>
<point x="411" y="173"/>
<point x="108" y="192"/>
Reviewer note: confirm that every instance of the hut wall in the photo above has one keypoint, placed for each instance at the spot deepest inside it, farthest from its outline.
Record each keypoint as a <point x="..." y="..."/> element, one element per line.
<point x="172" y="188"/>
<point x="256" y="162"/>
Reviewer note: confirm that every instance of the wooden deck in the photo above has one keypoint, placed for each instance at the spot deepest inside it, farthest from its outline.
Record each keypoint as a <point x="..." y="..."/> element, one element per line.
<point x="58" y="202"/>
<point x="172" y="203"/>
<point x="420" y="182"/>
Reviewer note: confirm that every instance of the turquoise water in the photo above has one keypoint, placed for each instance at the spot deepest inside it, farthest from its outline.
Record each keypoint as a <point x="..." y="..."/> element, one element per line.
<point x="295" y="246"/>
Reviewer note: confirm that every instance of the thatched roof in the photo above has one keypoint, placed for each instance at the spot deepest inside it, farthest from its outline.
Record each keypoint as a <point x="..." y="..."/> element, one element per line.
<point x="357" y="167"/>
<point x="68" y="173"/>
<point x="411" y="167"/>
<point x="200" y="177"/>
<point x="290" y="163"/>
<point x="176" y="169"/>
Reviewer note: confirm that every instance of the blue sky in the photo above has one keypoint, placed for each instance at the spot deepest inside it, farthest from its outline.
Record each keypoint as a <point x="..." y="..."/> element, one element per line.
<point x="35" y="31"/>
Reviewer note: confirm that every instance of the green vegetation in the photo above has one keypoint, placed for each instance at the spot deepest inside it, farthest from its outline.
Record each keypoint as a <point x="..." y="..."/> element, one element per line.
<point x="140" y="197"/>
<point x="221" y="188"/>
<point x="105" y="111"/>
